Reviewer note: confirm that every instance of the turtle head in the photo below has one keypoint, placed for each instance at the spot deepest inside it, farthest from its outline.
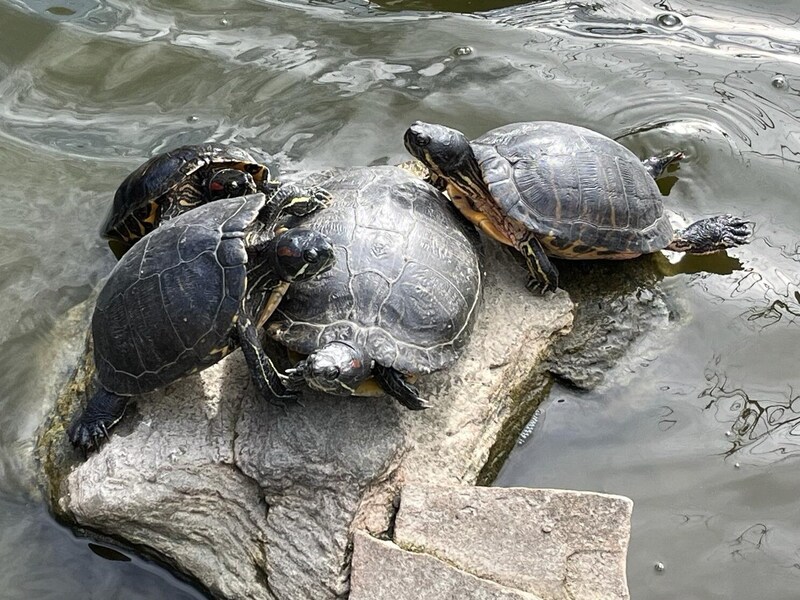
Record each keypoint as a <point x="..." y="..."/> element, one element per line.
<point x="444" y="151"/>
<point x="336" y="368"/>
<point x="230" y="183"/>
<point x="301" y="254"/>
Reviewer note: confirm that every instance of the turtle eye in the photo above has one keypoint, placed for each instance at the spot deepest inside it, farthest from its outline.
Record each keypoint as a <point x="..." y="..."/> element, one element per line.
<point x="331" y="373"/>
<point x="421" y="139"/>
<point x="310" y="255"/>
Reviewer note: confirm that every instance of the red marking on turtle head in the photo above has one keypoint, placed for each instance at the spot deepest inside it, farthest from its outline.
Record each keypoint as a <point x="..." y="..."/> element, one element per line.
<point x="286" y="251"/>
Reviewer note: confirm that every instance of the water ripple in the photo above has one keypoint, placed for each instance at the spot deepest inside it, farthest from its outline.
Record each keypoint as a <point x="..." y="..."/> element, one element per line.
<point x="664" y="80"/>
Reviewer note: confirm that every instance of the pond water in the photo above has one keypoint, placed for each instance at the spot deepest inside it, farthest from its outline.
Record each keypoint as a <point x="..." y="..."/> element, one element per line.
<point x="697" y="422"/>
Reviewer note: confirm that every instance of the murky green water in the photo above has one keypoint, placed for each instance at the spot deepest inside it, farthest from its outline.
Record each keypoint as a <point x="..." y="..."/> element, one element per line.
<point x="88" y="89"/>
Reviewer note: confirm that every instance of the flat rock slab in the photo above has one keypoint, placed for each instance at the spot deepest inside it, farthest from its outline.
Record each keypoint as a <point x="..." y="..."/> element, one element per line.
<point x="555" y="544"/>
<point x="384" y="571"/>
<point x="256" y="501"/>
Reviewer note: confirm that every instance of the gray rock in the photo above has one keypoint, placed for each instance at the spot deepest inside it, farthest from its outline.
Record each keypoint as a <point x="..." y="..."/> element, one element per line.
<point x="384" y="571"/>
<point x="258" y="501"/>
<point x="618" y="305"/>
<point x="557" y="544"/>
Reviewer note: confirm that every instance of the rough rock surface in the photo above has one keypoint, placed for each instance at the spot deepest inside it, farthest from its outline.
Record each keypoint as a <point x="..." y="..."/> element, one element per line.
<point x="556" y="544"/>
<point x="259" y="501"/>
<point x="384" y="571"/>
<point x="618" y="305"/>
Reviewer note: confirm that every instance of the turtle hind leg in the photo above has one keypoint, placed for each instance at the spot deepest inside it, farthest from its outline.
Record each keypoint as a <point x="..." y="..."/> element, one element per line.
<point x="657" y="165"/>
<point x="262" y="370"/>
<point x="393" y="383"/>
<point x="544" y="275"/>
<point x="712" y="235"/>
<point x="103" y="410"/>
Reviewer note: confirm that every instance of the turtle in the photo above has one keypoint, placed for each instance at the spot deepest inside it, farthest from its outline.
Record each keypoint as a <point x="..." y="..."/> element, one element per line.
<point x="186" y="295"/>
<point x="554" y="189"/>
<point x="402" y="298"/>
<point x="175" y="181"/>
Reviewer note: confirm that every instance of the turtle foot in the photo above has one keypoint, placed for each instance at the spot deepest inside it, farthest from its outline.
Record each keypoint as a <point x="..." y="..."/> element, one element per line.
<point x="318" y="198"/>
<point x="300" y="201"/>
<point x="87" y="436"/>
<point x="394" y="384"/>
<point x="657" y="165"/>
<point x="539" y="288"/>
<point x="713" y="235"/>
<point x="88" y="430"/>
<point x="294" y="379"/>
<point x="289" y="399"/>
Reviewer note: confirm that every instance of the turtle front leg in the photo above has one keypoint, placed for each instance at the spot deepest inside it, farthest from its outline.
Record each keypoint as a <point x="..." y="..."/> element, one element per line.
<point x="477" y="218"/>
<point x="657" y="165"/>
<point x="103" y="410"/>
<point x="295" y="200"/>
<point x="393" y="383"/>
<point x="712" y="235"/>
<point x="263" y="372"/>
<point x="544" y="275"/>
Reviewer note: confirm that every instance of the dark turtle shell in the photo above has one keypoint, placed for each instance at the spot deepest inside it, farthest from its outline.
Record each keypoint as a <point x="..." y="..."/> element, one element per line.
<point x="408" y="276"/>
<point x="195" y="266"/>
<point x="580" y="191"/>
<point x="137" y="200"/>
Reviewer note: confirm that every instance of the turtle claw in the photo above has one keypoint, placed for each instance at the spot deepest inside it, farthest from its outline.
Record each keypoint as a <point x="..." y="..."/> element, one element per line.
<point x="302" y="201"/>
<point x="713" y="235"/>
<point x="87" y="435"/>
<point x="321" y="198"/>
<point x="739" y="230"/>
<point x="284" y="402"/>
<point x="90" y="428"/>
<point x="294" y="379"/>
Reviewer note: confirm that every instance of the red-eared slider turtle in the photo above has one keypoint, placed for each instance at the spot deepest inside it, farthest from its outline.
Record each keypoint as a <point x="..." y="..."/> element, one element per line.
<point x="555" y="189"/>
<point x="176" y="181"/>
<point x="186" y="295"/>
<point x="402" y="297"/>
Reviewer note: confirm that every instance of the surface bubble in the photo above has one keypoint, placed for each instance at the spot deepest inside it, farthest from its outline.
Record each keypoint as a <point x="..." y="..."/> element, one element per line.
<point x="462" y="51"/>
<point x="669" y="21"/>
<point x="779" y="82"/>
<point x="659" y="566"/>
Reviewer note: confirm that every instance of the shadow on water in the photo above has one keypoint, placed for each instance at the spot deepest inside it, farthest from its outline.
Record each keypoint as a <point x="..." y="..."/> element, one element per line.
<point x="694" y="349"/>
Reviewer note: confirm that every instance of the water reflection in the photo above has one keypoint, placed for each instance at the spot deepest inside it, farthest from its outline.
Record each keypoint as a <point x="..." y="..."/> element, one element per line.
<point x="762" y="426"/>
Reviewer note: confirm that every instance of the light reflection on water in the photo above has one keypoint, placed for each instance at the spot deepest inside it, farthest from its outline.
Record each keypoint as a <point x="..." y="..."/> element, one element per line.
<point x="89" y="89"/>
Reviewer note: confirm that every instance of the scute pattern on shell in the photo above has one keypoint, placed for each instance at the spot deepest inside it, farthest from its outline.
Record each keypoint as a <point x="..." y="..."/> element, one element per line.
<point x="195" y="265"/>
<point x="408" y="276"/>
<point x="575" y="186"/>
